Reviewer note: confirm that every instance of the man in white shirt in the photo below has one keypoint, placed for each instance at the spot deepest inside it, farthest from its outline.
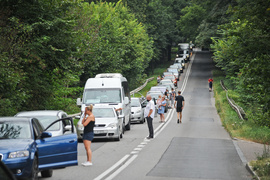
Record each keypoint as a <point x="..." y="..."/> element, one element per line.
<point x="149" y="112"/>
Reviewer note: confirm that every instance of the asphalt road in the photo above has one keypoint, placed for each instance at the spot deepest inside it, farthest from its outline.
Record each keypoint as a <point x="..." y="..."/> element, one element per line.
<point x="199" y="148"/>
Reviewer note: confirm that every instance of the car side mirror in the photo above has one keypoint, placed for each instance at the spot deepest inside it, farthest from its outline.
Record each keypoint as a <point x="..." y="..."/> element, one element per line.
<point x="79" y="102"/>
<point x="121" y="116"/>
<point x="68" y="128"/>
<point x="46" y="135"/>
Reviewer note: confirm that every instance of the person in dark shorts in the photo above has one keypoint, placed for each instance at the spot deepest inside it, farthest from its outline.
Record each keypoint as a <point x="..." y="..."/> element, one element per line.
<point x="88" y="133"/>
<point x="179" y="104"/>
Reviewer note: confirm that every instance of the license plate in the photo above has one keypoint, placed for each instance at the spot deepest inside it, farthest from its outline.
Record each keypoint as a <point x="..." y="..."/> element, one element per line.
<point x="99" y="131"/>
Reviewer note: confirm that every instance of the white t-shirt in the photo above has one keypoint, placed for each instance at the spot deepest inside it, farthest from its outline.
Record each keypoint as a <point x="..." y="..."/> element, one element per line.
<point x="150" y="105"/>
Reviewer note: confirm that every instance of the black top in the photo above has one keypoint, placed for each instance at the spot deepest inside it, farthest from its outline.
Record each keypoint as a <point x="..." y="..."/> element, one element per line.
<point x="179" y="100"/>
<point x="89" y="127"/>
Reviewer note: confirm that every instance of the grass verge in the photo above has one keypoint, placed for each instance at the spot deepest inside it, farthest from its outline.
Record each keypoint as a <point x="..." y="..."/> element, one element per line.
<point x="238" y="128"/>
<point x="262" y="165"/>
<point x="242" y="129"/>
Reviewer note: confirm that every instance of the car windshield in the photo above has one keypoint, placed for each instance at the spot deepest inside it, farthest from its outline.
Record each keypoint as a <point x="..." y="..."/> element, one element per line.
<point x="168" y="77"/>
<point x="167" y="73"/>
<point x="47" y="120"/>
<point x="135" y="103"/>
<point x="98" y="96"/>
<point x="173" y="70"/>
<point x="103" y="112"/>
<point x="15" y="130"/>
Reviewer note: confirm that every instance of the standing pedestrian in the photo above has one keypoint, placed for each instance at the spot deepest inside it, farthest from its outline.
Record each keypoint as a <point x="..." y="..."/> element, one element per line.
<point x="161" y="109"/>
<point x="172" y="97"/>
<point x="210" y="82"/>
<point x="158" y="79"/>
<point x="88" y="133"/>
<point x="149" y="112"/>
<point x="180" y="101"/>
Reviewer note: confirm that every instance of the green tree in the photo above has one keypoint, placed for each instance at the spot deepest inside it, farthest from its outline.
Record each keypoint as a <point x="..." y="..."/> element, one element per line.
<point x="114" y="41"/>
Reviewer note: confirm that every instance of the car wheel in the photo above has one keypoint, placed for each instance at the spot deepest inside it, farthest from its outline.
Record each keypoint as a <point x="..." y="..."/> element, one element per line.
<point x="123" y="128"/>
<point x="128" y="125"/>
<point x="121" y="132"/>
<point x="34" y="173"/>
<point x="47" y="173"/>
<point x="119" y="136"/>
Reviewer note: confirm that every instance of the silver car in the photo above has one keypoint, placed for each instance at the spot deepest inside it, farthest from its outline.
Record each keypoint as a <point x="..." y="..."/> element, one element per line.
<point x="46" y="117"/>
<point x="108" y="124"/>
<point x="137" y="111"/>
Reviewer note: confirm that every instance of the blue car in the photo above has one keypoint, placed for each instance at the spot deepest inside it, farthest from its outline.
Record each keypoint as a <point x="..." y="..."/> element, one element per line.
<point x="26" y="148"/>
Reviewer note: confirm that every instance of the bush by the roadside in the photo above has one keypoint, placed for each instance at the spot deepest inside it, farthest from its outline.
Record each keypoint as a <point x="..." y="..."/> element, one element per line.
<point x="262" y="165"/>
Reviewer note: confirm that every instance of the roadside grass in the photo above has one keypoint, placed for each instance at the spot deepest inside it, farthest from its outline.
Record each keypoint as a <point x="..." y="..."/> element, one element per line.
<point x="262" y="165"/>
<point x="242" y="129"/>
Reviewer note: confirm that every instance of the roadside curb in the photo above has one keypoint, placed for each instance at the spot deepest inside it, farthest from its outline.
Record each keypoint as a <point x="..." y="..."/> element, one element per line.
<point x="249" y="168"/>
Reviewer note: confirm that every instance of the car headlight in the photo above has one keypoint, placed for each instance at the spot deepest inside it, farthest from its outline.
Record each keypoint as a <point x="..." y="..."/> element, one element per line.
<point x="138" y="111"/>
<point x="18" y="154"/>
<point x="112" y="125"/>
<point x="80" y="126"/>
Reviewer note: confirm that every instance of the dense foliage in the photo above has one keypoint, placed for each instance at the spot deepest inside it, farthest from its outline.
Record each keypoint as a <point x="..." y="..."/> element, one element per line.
<point x="242" y="51"/>
<point x="49" y="48"/>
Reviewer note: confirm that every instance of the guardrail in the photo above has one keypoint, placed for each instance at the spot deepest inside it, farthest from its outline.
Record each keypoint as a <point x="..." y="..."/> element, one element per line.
<point x="240" y="112"/>
<point x="141" y="87"/>
<point x="131" y="93"/>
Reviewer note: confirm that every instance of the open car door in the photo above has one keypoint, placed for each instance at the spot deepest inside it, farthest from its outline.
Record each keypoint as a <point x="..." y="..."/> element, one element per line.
<point x="58" y="151"/>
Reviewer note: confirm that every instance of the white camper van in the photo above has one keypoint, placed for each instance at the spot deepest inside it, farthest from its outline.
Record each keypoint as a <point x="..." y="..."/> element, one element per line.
<point x="111" y="89"/>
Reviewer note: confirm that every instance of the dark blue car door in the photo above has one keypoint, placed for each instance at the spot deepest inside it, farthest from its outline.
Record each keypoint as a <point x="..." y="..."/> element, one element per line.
<point x="58" y="151"/>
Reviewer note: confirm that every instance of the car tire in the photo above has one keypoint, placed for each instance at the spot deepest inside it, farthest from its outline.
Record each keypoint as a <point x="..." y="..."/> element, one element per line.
<point x="121" y="132"/>
<point x="118" y="137"/>
<point x="128" y="126"/>
<point x="47" y="173"/>
<point x="123" y="128"/>
<point x="34" y="171"/>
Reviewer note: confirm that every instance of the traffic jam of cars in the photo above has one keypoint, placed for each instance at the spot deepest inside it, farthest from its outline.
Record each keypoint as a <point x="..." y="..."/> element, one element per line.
<point x="33" y="142"/>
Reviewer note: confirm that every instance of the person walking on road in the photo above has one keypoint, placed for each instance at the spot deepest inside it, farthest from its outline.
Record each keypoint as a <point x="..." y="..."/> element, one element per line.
<point x="149" y="112"/>
<point x="161" y="109"/>
<point x="210" y="82"/>
<point x="88" y="133"/>
<point x="180" y="101"/>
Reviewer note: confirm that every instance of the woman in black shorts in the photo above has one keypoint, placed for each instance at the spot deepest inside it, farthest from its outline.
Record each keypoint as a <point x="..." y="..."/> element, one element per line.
<point x="88" y="133"/>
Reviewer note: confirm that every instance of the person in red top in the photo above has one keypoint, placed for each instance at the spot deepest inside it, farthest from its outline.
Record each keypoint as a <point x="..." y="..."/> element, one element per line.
<point x="210" y="82"/>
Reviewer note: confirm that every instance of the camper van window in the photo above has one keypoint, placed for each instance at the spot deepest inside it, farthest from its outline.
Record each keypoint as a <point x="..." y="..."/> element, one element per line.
<point x="98" y="96"/>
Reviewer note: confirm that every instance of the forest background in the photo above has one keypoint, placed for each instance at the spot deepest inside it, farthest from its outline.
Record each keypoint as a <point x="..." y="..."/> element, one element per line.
<point x="49" y="48"/>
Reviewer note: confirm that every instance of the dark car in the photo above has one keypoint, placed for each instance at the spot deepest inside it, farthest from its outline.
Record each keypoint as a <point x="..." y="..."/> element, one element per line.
<point x="26" y="148"/>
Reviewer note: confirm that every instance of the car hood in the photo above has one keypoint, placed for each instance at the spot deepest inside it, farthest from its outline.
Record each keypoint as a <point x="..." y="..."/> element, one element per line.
<point x="7" y="145"/>
<point x="105" y="120"/>
<point x="135" y="109"/>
